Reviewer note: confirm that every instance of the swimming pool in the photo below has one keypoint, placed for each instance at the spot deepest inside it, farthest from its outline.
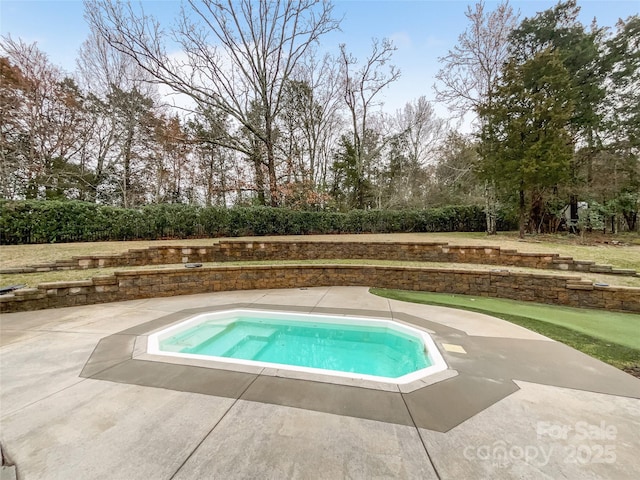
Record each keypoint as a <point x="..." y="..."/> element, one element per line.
<point x="357" y="347"/>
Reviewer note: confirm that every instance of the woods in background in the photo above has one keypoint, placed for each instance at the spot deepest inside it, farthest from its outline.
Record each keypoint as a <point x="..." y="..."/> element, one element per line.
<point x="265" y="117"/>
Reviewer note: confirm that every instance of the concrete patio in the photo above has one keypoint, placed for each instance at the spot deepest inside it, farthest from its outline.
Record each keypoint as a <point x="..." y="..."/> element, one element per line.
<point x="80" y="399"/>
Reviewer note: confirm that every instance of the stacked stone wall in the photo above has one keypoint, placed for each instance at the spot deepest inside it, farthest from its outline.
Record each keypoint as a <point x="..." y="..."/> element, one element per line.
<point x="131" y="285"/>
<point x="228" y="251"/>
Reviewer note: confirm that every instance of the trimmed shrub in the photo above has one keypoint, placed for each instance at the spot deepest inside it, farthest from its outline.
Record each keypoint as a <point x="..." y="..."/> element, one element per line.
<point x="70" y="221"/>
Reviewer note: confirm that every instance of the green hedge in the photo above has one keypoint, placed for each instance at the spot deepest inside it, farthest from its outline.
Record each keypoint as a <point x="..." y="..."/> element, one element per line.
<point x="67" y="221"/>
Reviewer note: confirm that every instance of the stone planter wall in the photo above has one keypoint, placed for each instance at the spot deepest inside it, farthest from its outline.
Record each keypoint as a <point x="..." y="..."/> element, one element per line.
<point x="130" y="285"/>
<point x="226" y="251"/>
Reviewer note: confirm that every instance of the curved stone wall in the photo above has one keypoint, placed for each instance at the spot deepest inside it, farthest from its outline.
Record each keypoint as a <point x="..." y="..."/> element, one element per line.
<point x="130" y="285"/>
<point x="238" y="250"/>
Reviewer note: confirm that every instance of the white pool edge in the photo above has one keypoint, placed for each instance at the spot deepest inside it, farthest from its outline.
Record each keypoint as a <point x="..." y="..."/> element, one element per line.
<point x="438" y="363"/>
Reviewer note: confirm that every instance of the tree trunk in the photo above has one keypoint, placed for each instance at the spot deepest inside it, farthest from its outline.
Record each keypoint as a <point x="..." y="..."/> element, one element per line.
<point x="222" y="198"/>
<point x="631" y="218"/>
<point x="536" y="215"/>
<point x="126" y="175"/>
<point x="490" y="209"/>
<point x="573" y="214"/>
<point x="257" y="165"/>
<point x="271" y="161"/>
<point x="521" y="210"/>
<point x="273" y="186"/>
<point x="360" y="193"/>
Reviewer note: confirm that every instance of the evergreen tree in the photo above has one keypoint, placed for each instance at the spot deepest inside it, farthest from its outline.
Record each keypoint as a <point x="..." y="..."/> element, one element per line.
<point x="526" y="143"/>
<point x="559" y="29"/>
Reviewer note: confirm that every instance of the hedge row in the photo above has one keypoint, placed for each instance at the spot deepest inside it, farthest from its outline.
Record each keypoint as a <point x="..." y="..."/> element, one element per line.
<point x="57" y="221"/>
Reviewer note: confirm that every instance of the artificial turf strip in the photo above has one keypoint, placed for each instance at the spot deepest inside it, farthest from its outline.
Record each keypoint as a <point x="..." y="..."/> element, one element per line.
<point x="616" y="327"/>
<point x="613" y="353"/>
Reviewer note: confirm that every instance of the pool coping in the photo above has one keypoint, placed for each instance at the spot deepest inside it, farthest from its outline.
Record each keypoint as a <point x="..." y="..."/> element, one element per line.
<point x="407" y="382"/>
<point x="131" y="344"/>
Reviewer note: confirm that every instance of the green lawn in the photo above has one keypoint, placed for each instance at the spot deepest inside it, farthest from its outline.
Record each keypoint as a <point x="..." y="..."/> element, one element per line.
<point x="612" y="337"/>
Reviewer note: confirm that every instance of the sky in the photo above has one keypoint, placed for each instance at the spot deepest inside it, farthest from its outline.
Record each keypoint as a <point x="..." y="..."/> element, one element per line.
<point x="422" y="31"/>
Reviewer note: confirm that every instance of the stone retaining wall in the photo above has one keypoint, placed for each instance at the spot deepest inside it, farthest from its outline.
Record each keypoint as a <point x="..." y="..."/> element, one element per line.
<point x="226" y="251"/>
<point x="130" y="285"/>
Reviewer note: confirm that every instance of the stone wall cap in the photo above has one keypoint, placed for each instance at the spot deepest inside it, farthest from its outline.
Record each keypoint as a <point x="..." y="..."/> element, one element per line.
<point x="25" y="291"/>
<point x="577" y="286"/>
<point x="618" y="288"/>
<point x="69" y="284"/>
<point x="10" y="271"/>
<point x="155" y="271"/>
<point x="337" y="241"/>
<point x="104" y="280"/>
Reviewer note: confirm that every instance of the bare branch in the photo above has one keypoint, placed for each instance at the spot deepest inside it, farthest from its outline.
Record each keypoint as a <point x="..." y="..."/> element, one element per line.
<point x="234" y="55"/>
<point x="469" y="72"/>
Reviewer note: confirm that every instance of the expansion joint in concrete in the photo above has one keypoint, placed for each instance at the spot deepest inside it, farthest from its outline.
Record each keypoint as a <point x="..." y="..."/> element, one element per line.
<point x="236" y="400"/>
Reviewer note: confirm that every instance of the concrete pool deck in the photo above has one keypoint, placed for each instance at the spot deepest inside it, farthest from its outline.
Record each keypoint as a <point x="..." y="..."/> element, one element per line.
<point x="81" y="399"/>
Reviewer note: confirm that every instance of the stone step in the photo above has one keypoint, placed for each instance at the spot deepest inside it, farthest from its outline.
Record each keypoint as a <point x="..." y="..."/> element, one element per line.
<point x="563" y="260"/>
<point x="9" y="271"/>
<point x="601" y="269"/>
<point x="624" y="271"/>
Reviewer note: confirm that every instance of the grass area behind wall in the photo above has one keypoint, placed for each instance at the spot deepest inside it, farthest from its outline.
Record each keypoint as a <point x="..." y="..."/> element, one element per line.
<point x="612" y="337"/>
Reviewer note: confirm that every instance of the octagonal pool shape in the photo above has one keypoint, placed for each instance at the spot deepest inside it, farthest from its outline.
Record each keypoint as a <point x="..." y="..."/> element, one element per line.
<point x="345" y="346"/>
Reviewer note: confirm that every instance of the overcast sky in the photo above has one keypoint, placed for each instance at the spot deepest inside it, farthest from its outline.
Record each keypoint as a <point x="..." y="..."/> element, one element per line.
<point x="422" y="30"/>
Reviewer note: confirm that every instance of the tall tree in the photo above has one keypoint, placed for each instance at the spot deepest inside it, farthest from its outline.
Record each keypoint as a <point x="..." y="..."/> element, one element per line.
<point x="12" y="132"/>
<point x="454" y="177"/>
<point x="213" y="163"/>
<point x="170" y="162"/>
<point x="526" y="142"/>
<point x="135" y="121"/>
<point x="622" y="63"/>
<point x="234" y="53"/>
<point x="469" y="73"/>
<point x="350" y="188"/>
<point x="309" y="124"/>
<point x="621" y="112"/>
<point x="42" y="123"/>
<point x="120" y="96"/>
<point x="362" y="85"/>
<point x="415" y="135"/>
<point x="423" y="130"/>
<point x="559" y="28"/>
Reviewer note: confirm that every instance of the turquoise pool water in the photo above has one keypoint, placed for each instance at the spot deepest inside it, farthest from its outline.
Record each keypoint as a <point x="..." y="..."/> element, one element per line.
<point x="366" y="350"/>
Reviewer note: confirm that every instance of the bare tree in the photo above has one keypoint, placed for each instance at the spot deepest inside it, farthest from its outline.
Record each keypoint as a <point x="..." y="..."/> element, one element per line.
<point x="42" y="121"/>
<point x="101" y="67"/>
<point x="233" y="54"/>
<point x="312" y="114"/>
<point x="413" y="136"/>
<point x="361" y="88"/>
<point x="423" y="130"/>
<point x="469" y="72"/>
<point x="117" y="87"/>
